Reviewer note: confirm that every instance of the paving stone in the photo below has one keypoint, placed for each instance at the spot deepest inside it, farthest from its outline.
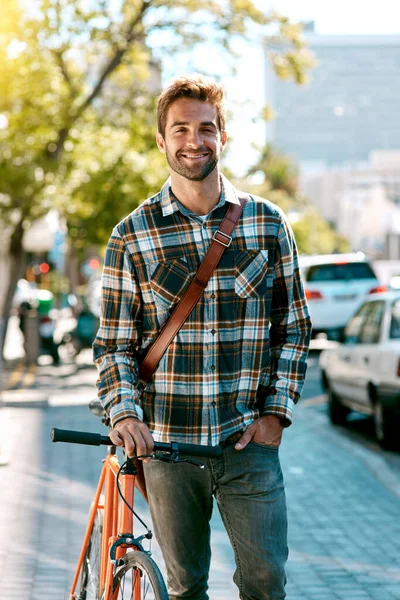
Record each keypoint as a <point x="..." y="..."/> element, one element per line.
<point x="344" y="523"/>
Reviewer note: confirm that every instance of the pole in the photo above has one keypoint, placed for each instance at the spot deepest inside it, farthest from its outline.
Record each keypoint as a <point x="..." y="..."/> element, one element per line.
<point x="3" y="458"/>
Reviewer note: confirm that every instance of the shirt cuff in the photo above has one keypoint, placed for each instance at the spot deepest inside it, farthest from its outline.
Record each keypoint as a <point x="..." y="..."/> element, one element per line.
<point x="279" y="405"/>
<point x="125" y="409"/>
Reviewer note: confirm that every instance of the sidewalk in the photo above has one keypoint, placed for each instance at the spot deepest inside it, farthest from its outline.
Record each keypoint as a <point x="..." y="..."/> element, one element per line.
<point x="45" y="384"/>
<point x="343" y="504"/>
<point x="344" y="516"/>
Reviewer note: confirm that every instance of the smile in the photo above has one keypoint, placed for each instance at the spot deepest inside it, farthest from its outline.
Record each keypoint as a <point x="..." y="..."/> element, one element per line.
<point x="194" y="156"/>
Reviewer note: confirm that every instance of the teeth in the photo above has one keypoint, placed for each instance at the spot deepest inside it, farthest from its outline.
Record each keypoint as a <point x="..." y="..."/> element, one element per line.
<point x="194" y="155"/>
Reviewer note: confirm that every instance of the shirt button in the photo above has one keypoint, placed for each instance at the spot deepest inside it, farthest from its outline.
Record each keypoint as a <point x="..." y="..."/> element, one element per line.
<point x="212" y="367"/>
<point x="212" y="296"/>
<point x="213" y="331"/>
<point x="213" y="403"/>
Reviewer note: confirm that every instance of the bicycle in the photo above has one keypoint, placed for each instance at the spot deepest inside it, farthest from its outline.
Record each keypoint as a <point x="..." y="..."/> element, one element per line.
<point x="113" y="565"/>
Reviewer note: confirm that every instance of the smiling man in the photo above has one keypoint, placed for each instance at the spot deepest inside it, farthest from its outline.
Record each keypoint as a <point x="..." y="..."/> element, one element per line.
<point x="232" y="374"/>
<point x="193" y="161"/>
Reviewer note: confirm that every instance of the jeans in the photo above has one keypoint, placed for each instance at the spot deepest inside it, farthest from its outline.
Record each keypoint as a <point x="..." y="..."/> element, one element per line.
<point x="248" y="486"/>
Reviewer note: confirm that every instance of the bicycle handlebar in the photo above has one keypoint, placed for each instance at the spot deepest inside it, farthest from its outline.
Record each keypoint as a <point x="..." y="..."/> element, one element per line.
<point x="96" y="439"/>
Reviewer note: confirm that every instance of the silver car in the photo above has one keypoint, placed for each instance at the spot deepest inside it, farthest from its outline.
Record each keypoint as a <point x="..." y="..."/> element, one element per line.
<point x="363" y="372"/>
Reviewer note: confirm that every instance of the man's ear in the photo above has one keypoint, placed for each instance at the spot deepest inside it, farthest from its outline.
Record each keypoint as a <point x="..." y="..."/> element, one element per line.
<point x="160" y="142"/>
<point x="224" y="139"/>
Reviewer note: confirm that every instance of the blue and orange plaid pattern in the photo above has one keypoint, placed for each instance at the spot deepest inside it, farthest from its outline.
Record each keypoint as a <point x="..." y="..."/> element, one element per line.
<point x="242" y="351"/>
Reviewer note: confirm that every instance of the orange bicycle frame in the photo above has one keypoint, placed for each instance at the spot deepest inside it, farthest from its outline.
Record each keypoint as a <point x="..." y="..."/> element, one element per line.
<point x="118" y="519"/>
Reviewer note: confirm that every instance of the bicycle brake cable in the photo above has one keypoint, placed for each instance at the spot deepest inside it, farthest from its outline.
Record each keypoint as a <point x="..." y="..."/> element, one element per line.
<point x="149" y="532"/>
<point x="173" y="458"/>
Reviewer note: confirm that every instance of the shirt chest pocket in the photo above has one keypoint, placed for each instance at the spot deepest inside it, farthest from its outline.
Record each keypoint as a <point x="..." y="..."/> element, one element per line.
<point x="168" y="281"/>
<point x="252" y="279"/>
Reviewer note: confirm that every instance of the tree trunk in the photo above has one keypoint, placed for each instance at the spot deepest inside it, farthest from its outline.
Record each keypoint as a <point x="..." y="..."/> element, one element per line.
<point x="72" y="271"/>
<point x="16" y="271"/>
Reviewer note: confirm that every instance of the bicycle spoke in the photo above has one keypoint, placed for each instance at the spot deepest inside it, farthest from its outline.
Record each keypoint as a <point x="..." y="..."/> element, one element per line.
<point x="90" y="574"/>
<point x="133" y="578"/>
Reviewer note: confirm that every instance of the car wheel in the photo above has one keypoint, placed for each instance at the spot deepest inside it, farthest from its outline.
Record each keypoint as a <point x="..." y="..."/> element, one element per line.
<point x="386" y="427"/>
<point x="337" y="412"/>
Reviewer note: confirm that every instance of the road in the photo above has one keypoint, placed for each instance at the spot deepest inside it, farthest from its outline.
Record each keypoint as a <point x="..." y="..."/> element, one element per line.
<point x="342" y="490"/>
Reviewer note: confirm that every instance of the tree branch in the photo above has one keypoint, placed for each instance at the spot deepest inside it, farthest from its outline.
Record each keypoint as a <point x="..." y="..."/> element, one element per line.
<point x="108" y="69"/>
<point x="115" y="60"/>
<point x="64" y="70"/>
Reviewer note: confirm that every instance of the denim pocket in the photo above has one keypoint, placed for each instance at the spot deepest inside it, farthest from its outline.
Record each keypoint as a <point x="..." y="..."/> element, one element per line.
<point x="264" y="446"/>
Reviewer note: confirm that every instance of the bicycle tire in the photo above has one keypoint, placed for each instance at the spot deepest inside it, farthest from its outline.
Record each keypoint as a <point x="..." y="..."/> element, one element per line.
<point x="90" y="572"/>
<point x="151" y="581"/>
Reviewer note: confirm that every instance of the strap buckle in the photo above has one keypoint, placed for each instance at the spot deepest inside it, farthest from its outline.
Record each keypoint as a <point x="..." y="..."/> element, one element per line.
<point x="227" y="237"/>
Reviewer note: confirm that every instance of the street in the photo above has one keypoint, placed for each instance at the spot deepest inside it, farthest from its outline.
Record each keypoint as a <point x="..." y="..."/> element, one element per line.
<point x="342" y="490"/>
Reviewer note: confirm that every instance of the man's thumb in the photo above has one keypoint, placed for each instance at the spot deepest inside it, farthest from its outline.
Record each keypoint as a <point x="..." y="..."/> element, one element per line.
<point x="244" y="440"/>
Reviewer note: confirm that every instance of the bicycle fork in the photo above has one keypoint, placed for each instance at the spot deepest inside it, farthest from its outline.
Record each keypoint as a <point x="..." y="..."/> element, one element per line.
<point x="118" y="526"/>
<point x="117" y="518"/>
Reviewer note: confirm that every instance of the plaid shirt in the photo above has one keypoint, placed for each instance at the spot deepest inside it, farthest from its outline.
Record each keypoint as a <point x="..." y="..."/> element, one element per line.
<point x="242" y="351"/>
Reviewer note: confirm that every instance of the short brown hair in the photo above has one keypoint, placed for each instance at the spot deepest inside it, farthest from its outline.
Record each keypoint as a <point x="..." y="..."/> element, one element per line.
<point x="199" y="87"/>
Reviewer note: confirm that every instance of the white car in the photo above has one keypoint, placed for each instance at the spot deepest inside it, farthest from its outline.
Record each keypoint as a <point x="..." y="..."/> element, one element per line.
<point x="335" y="284"/>
<point x="363" y="373"/>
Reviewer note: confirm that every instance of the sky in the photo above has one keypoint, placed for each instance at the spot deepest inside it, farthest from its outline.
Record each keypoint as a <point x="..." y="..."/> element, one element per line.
<point x="343" y="16"/>
<point x="245" y="91"/>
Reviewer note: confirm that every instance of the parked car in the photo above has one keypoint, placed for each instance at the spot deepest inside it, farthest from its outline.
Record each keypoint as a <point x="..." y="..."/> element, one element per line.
<point x="335" y="284"/>
<point x="363" y="373"/>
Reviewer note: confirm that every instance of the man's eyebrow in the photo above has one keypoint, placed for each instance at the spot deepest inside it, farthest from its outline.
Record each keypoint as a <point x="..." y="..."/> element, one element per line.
<point x="207" y="123"/>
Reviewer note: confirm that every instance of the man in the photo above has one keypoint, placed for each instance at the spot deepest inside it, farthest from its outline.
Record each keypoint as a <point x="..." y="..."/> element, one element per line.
<point x="234" y="371"/>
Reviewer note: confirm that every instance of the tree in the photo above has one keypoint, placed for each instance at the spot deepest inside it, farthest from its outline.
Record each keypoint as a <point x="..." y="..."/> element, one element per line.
<point x="277" y="177"/>
<point x="314" y="235"/>
<point x="77" y="103"/>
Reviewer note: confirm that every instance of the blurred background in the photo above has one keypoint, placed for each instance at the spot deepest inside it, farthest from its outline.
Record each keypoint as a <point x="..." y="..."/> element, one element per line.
<point x="313" y="125"/>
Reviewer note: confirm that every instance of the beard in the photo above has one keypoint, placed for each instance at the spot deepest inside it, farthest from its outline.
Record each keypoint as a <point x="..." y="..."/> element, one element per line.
<point x="195" y="172"/>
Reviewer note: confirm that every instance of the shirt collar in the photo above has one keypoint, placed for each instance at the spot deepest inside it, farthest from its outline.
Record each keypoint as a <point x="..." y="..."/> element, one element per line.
<point x="169" y="204"/>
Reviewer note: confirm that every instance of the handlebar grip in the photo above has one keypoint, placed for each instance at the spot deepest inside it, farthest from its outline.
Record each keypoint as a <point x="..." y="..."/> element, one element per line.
<point x="79" y="437"/>
<point x="191" y="449"/>
<point x="95" y="439"/>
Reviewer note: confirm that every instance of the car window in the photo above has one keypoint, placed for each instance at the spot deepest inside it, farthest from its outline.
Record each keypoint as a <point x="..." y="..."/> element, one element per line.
<point x="371" y="327"/>
<point x="395" y="321"/>
<point x="353" y="328"/>
<point x="340" y="272"/>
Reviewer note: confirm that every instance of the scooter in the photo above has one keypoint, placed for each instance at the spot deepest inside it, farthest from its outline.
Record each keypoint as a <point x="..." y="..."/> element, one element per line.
<point x="46" y="334"/>
<point x="45" y="326"/>
<point x="83" y="334"/>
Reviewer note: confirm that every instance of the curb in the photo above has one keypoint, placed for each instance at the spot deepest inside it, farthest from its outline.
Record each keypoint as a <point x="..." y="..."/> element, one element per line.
<point x="36" y="399"/>
<point x="24" y="399"/>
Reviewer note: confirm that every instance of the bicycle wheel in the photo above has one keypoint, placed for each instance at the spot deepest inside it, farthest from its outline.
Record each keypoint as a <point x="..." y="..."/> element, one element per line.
<point x="139" y="578"/>
<point x="90" y="574"/>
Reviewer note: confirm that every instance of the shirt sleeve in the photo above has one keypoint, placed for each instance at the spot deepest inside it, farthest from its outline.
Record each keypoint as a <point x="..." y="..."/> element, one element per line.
<point x="290" y="331"/>
<point x="119" y="335"/>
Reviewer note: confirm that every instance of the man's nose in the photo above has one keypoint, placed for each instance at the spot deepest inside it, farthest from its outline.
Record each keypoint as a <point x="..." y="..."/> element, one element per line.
<point x="195" y="139"/>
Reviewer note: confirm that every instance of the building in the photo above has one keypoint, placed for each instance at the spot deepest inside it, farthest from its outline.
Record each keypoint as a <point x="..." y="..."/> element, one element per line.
<point x="363" y="203"/>
<point x="343" y="130"/>
<point x="350" y="107"/>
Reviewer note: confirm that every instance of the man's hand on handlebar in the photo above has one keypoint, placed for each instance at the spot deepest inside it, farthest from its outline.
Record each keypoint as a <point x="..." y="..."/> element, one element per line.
<point x="134" y="436"/>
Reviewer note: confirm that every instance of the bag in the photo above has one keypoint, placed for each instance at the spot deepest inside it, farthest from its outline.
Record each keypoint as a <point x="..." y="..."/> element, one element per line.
<point x="222" y="239"/>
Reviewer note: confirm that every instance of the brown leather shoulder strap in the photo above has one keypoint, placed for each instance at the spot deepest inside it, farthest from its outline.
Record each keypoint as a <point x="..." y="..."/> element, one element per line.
<point x="221" y="240"/>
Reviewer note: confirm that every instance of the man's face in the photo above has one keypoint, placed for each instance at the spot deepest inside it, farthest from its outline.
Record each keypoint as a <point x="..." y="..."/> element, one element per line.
<point x="193" y="142"/>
